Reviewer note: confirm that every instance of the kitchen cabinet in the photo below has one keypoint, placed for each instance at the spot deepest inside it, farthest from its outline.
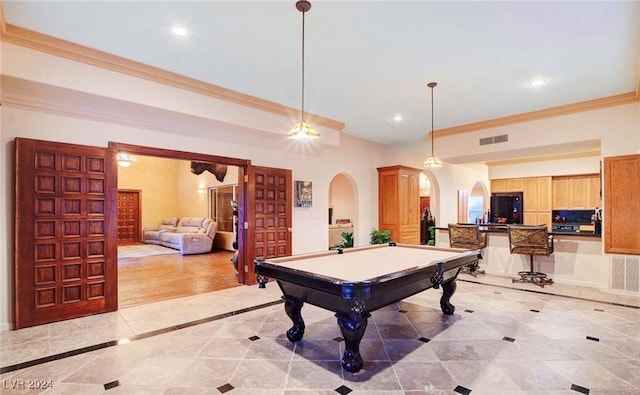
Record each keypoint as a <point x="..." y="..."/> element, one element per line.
<point x="537" y="201"/>
<point x="399" y="203"/>
<point x="499" y="185"/>
<point x="594" y="195"/>
<point x="580" y="192"/>
<point x="514" y="184"/>
<point x="577" y="193"/>
<point x="621" y="204"/>
<point x="507" y="185"/>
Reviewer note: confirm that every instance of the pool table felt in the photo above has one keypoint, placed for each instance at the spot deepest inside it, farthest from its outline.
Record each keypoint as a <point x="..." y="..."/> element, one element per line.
<point x="365" y="264"/>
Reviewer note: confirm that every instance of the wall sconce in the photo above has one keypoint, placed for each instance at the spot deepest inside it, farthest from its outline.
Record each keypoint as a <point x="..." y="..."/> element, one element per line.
<point x="125" y="160"/>
<point x="201" y="191"/>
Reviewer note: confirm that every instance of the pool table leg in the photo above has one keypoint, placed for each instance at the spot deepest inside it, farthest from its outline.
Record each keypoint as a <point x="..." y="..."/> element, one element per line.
<point x="448" y="289"/>
<point x="352" y="328"/>
<point x="293" y="307"/>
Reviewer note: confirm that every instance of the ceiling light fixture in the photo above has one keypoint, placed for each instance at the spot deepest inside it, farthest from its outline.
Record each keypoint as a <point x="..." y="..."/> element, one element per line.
<point x="179" y="31"/>
<point x="537" y="82"/>
<point x="432" y="162"/>
<point x="125" y="160"/>
<point x="303" y="131"/>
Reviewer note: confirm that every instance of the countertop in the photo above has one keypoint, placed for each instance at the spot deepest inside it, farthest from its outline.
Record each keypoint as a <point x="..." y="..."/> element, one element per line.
<point x="502" y="228"/>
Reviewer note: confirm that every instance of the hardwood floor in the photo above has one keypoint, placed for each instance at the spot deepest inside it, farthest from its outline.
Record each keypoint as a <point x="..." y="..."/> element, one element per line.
<point x="160" y="277"/>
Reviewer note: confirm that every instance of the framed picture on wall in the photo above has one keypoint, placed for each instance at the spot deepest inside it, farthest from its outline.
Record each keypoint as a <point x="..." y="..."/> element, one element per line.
<point x="303" y="193"/>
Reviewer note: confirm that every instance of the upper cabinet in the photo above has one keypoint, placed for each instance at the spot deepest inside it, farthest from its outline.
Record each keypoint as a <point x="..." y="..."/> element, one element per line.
<point x="622" y="205"/>
<point x="537" y="193"/>
<point x="581" y="192"/>
<point x="507" y="185"/>
<point x="537" y="200"/>
<point x="498" y="185"/>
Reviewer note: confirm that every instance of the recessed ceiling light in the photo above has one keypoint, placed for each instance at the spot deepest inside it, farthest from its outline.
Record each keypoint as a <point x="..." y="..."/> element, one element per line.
<point x="536" y="82"/>
<point x="179" y="31"/>
<point x="397" y="118"/>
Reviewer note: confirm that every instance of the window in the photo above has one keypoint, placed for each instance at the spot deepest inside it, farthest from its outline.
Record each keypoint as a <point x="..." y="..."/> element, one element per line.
<point x="476" y="208"/>
<point x="221" y="201"/>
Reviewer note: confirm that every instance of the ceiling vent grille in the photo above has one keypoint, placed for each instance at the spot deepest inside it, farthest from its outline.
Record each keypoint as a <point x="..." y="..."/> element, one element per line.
<point x="503" y="138"/>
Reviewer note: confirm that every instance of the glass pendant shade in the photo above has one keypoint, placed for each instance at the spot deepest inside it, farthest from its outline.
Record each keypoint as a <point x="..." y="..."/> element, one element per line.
<point x="432" y="162"/>
<point x="302" y="132"/>
<point x="125" y="160"/>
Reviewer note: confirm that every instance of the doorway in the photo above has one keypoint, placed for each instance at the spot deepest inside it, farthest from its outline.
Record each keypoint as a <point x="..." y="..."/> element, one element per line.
<point x="151" y="269"/>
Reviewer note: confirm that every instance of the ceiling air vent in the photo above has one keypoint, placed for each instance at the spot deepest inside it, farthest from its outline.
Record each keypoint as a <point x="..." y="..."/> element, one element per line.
<point x="503" y="138"/>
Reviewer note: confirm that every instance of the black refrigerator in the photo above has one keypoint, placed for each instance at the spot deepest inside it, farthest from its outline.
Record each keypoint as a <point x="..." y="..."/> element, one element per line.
<point x="506" y="208"/>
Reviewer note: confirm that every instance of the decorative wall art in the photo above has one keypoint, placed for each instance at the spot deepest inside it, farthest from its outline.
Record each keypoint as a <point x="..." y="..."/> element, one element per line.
<point x="303" y="193"/>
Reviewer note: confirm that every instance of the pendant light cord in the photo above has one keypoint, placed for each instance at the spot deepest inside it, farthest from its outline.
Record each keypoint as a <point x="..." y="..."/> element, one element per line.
<point x="432" y="121"/>
<point x="302" y="116"/>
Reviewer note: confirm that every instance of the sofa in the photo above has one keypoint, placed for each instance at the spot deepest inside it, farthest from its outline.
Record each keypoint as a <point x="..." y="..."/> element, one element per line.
<point x="189" y="235"/>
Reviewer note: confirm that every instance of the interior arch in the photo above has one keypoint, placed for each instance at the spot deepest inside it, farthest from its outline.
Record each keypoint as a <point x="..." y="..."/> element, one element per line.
<point x="343" y="207"/>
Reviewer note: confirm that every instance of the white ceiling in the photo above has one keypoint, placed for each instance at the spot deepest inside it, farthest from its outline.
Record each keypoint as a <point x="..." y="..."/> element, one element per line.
<point x="367" y="61"/>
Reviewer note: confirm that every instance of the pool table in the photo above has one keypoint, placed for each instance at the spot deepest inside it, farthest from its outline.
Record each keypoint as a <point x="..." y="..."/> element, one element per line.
<point x="353" y="282"/>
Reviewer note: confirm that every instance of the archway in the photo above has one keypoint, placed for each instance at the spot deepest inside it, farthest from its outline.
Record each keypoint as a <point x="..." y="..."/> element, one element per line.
<point x="343" y="210"/>
<point x="429" y="199"/>
<point x="478" y="203"/>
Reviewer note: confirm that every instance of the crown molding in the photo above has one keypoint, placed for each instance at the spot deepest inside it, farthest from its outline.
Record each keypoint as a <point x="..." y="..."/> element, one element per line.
<point x="545" y="158"/>
<point x="589" y="105"/>
<point x="54" y="46"/>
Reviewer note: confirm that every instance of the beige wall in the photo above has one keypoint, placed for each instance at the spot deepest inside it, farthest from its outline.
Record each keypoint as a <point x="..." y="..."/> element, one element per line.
<point x="169" y="189"/>
<point x="157" y="179"/>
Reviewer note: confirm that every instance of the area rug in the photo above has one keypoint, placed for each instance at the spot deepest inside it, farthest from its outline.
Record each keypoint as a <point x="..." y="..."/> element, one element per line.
<point x="140" y="250"/>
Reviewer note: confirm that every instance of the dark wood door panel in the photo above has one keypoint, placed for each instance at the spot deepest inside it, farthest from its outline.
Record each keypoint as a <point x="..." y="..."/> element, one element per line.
<point x="269" y="196"/>
<point x="66" y="256"/>
<point x="129" y="216"/>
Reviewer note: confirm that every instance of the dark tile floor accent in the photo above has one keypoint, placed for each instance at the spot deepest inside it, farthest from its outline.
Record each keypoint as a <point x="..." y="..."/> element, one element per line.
<point x="111" y="385"/>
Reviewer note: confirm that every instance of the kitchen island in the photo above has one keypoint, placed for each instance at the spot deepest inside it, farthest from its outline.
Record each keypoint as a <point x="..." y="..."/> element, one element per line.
<point x="578" y="258"/>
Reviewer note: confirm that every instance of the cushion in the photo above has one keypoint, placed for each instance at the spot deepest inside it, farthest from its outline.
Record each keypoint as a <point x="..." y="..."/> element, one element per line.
<point x="345" y="225"/>
<point x="192" y="221"/>
<point x="171" y="221"/>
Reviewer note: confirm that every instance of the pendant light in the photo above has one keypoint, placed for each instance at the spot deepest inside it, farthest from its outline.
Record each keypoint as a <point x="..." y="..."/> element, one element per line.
<point x="303" y="131"/>
<point x="432" y="162"/>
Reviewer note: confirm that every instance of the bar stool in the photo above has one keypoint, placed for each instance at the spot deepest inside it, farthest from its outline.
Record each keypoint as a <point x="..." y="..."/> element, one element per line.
<point x="531" y="240"/>
<point x="468" y="236"/>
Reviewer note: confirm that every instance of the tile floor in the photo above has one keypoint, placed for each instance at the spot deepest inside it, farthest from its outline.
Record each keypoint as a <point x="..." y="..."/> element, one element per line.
<point x="501" y="340"/>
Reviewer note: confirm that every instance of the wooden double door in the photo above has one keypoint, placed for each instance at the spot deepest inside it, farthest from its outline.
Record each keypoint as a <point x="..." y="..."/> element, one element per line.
<point x="66" y="230"/>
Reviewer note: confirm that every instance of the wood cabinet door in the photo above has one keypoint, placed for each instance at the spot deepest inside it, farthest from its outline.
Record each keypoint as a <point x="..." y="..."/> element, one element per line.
<point x="594" y="191"/>
<point x="498" y="185"/>
<point x="560" y="192"/>
<point x="514" y="184"/>
<point x="544" y="194"/>
<point x="530" y="194"/>
<point x="65" y="232"/>
<point x="622" y="204"/>
<point x="577" y="192"/>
